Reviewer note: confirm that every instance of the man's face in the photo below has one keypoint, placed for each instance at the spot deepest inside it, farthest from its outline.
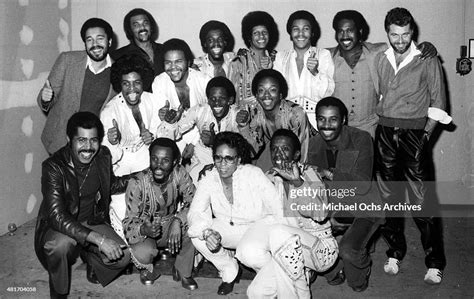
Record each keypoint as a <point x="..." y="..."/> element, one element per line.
<point x="228" y="160"/>
<point x="260" y="37"/>
<point x="219" y="101"/>
<point x="268" y="93"/>
<point x="97" y="43"/>
<point x="85" y="145"/>
<point x="329" y="122"/>
<point x="141" y="28"/>
<point x="282" y="150"/>
<point x="162" y="163"/>
<point x="132" y="88"/>
<point x="176" y="65"/>
<point x="347" y="35"/>
<point x="400" y="38"/>
<point x="215" y="44"/>
<point x="301" y="33"/>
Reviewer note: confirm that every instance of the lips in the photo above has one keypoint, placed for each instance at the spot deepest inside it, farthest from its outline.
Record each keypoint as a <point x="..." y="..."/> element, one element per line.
<point x="86" y="155"/>
<point x="217" y="50"/>
<point x="132" y="96"/>
<point x="218" y="109"/>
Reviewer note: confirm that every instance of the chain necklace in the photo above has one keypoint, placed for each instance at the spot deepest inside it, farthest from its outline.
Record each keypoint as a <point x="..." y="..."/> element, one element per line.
<point x="85" y="178"/>
<point x="228" y="192"/>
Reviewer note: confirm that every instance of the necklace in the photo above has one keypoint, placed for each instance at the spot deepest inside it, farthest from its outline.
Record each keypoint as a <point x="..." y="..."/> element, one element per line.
<point x="85" y="178"/>
<point x="228" y="190"/>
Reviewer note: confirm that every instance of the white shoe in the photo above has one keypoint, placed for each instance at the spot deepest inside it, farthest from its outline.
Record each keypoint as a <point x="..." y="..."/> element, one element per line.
<point x="392" y="266"/>
<point x="433" y="276"/>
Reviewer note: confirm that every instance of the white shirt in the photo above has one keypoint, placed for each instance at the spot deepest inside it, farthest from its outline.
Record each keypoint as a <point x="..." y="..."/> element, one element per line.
<point x="206" y="66"/>
<point x="108" y="63"/>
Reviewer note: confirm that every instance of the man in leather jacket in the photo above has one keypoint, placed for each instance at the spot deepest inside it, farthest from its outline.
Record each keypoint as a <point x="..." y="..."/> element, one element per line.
<point x="73" y="218"/>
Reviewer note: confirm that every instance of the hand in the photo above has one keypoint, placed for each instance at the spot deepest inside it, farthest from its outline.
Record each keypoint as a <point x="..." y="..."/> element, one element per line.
<point x="205" y="169"/>
<point x="174" y="240"/>
<point x="273" y="55"/>
<point x="289" y="171"/>
<point x="213" y="241"/>
<point x="163" y="110"/>
<point x="266" y="62"/>
<point x="152" y="230"/>
<point x="147" y="136"/>
<point x="428" y="50"/>
<point x="313" y="64"/>
<point x="242" y="118"/>
<point x="47" y="92"/>
<point x="113" y="134"/>
<point x="188" y="151"/>
<point x="242" y="52"/>
<point x="111" y="249"/>
<point x="172" y="116"/>
<point x="207" y="136"/>
<point x="326" y="173"/>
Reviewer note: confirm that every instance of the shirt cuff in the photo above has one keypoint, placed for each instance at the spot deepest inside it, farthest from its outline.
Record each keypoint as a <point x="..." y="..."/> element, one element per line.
<point x="439" y="115"/>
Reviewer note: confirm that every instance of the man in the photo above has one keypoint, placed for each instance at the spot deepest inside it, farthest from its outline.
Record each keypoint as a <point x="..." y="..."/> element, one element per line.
<point x="141" y="30"/>
<point x="217" y="42"/>
<point x="344" y="157"/>
<point x="275" y="112"/>
<point x="307" y="69"/>
<point x="217" y="115"/>
<point x="76" y="184"/>
<point x="181" y="86"/>
<point x="413" y="99"/>
<point x="355" y="74"/>
<point x="153" y="220"/>
<point x="131" y="120"/>
<point x="79" y="81"/>
<point x="265" y="247"/>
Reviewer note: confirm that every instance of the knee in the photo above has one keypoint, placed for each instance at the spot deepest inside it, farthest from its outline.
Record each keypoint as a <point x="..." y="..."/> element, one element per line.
<point x="351" y="255"/>
<point x="254" y="290"/>
<point x="125" y="260"/>
<point x="59" y="246"/>
<point x="252" y="255"/>
<point x="145" y="251"/>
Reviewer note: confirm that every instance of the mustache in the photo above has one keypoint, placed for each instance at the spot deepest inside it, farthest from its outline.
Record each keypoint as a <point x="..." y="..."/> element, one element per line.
<point x="143" y="30"/>
<point x="89" y="151"/>
<point x="96" y="47"/>
<point x="327" y="129"/>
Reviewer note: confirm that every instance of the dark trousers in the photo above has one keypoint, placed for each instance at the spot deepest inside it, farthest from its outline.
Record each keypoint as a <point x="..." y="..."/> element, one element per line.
<point x="354" y="255"/>
<point x="402" y="165"/>
<point x="146" y="251"/>
<point x="61" y="251"/>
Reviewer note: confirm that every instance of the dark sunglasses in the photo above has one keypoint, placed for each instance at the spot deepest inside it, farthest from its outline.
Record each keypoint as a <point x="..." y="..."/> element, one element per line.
<point x="227" y="159"/>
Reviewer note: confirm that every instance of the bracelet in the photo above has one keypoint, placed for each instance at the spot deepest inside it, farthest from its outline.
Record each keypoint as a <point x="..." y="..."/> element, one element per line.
<point x="206" y="233"/>
<point x="177" y="218"/>
<point x="102" y="241"/>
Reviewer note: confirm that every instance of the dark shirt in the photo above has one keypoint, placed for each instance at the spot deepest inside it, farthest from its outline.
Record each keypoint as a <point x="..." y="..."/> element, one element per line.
<point x="132" y="49"/>
<point x="89" y="184"/>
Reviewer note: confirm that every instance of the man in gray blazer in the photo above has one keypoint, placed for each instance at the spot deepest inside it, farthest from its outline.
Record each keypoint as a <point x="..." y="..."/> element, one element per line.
<point x="79" y="81"/>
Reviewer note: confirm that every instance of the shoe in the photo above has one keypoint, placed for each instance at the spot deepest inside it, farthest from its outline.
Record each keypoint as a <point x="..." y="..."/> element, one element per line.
<point x="338" y="279"/>
<point x="165" y="255"/>
<point x="365" y="285"/>
<point x="187" y="282"/>
<point x="433" y="276"/>
<point x="392" y="266"/>
<point x="91" y="277"/>
<point x="227" y="287"/>
<point x="148" y="278"/>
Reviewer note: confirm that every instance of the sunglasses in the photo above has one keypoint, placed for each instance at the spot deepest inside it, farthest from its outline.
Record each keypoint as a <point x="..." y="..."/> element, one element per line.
<point x="227" y="159"/>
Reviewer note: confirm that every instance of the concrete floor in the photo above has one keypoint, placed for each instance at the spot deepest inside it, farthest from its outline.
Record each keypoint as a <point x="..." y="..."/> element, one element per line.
<point x="19" y="267"/>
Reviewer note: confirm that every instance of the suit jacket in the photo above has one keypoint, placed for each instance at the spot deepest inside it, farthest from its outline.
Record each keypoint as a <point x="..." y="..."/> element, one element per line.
<point x="60" y="207"/>
<point x="66" y="78"/>
<point x="354" y="167"/>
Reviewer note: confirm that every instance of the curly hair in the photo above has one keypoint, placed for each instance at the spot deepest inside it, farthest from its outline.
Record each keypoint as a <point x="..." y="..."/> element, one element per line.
<point x="399" y="16"/>
<point x="176" y="44"/>
<point x="290" y="135"/>
<point x="358" y="19"/>
<point x="235" y="141"/>
<point x="85" y="120"/>
<point x="216" y="25"/>
<point x="221" y="82"/>
<point x="335" y="102"/>
<point x="260" y="18"/>
<point x="96" y="22"/>
<point x="128" y="64"/>
<point x="135" y="12"/>
<point x="166" y="142"/>
<point x="305" y="15"/>
<point x="270" y="73"/>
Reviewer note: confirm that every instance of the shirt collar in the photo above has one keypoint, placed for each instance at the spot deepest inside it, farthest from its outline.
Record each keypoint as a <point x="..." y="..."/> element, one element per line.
<point x="108" y="63"/>
<point x="390" y="53"/>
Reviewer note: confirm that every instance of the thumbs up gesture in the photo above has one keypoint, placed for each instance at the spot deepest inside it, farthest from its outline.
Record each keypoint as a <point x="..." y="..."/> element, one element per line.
<point x="173" y="116"/>
<point x="163" y="110"/>
<point x="47" y="92"/>
<point x="312" y="64"/>
<point x="113" y="134"/>
<point x="207" y="136"/>
<point x="242" y="118"/>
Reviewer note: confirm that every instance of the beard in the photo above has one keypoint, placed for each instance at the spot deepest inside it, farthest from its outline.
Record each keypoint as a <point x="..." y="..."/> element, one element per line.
<point x="95" y="57"/>
<point x="398" y="49"/>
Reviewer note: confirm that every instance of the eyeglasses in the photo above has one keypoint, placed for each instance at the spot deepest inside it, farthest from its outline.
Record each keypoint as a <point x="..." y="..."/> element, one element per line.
<point x="227" y="159"/>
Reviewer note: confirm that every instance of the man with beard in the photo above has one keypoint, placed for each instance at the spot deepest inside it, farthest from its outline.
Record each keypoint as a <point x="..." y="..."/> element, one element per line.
<point x="413" y="99"/>
<point x="131" y="120"/>
<point x="141" y="29"/>
<point x="153" y="219"/>
<point x="217" y="42"/>
<point x="355" y="75"/>
<point x="181" y="86"/>
<point x="79" y="81"/>
<point x="76" y="184"/>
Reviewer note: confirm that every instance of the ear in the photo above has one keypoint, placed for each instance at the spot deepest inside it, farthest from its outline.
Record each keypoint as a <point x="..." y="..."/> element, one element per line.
<point x="297" y="156"/>
<point x="110" y="43"/>
<point x="238" y="161"/>
<point x="68" y="140"/>
<point x="231" y="100"/>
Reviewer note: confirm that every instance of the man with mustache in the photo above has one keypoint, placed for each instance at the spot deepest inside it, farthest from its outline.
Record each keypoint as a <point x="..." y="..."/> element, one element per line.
<point x="412" y="102"/>
<point x="79" y="81"/>
<point x="73" y="218"/>
<point x="217" y="42"/>
<point x="141" y="29"/>
<point x="153" y="218"/>
<point x="344" y="157"/>
<point x="355" y="75"/>
<point x="130" y="120"/>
